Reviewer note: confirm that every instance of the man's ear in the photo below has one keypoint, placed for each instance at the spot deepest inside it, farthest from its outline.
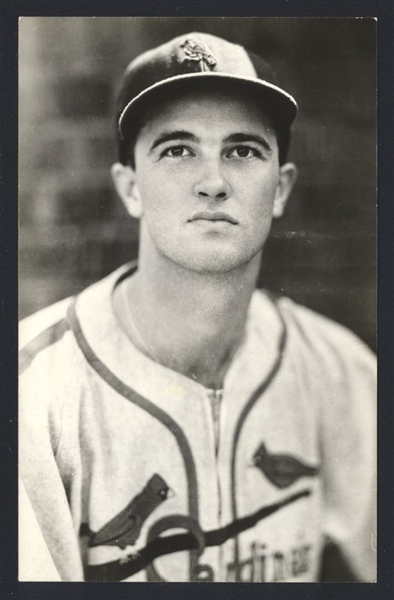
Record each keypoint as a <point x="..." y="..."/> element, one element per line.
<point x="287" y="178"/>
<point x="125" y="183"/>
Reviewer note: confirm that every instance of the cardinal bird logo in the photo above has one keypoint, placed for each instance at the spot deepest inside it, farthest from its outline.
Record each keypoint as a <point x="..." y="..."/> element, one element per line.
<point x="124" y="529"/>
<point x="282" y="470"/>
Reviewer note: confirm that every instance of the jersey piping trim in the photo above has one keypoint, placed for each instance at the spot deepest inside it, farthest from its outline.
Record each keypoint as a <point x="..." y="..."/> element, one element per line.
<point x="145" y="404"/>
<point x="248" y="407"/>
<point x="160" y="546"/>
<point x="46" y="338"/>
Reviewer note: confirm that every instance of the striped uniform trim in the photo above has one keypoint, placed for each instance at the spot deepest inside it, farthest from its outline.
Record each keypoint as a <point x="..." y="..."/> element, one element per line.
<point x="255" y="396"/>
<point x="46" y="338"/>
<point x="121" y="388"/>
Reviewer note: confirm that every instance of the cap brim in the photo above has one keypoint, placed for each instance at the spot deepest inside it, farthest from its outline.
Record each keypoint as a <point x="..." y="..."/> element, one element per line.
<point x="281" y="105"/>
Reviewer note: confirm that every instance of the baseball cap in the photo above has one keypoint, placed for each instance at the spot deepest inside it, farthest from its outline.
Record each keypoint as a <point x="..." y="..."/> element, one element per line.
<point x="199" y="56"/>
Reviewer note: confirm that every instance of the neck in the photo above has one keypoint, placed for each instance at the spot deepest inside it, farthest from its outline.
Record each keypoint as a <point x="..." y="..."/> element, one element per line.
<point x="191" y="322"/>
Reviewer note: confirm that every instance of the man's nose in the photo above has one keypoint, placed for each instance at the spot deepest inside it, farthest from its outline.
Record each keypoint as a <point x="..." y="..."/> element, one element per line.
<point x="212" y="184"/>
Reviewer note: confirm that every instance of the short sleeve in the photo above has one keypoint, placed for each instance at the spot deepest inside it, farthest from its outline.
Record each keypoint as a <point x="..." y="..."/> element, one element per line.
<point x="348" y="446"/>
<point x="46" y="523"/>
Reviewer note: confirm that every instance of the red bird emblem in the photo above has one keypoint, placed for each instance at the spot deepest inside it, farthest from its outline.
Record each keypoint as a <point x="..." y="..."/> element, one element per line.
<point x="282" y="470"/>
<point x="124" y="529"/>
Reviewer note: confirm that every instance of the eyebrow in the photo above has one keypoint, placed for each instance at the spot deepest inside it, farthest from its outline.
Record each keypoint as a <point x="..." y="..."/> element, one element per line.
<point x="171" y="136"/>
<point x="237" y="138"/>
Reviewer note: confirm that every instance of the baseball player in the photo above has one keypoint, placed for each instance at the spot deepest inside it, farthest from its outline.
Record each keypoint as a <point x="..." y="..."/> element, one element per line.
<point x="176" y="424"/>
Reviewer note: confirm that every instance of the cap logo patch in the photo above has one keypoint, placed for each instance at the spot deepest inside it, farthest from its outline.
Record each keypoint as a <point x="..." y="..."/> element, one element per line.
<point x="197" y="52"/>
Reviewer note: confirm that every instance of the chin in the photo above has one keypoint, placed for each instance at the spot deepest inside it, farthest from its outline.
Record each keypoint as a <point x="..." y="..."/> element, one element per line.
<point x="208" y="262"/>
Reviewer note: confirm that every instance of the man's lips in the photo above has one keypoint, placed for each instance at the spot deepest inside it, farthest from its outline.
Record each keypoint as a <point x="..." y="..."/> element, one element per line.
<point x="206" y="215"/>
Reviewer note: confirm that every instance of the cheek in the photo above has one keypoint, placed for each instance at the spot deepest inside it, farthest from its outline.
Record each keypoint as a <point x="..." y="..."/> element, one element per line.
<point x="149" y="188"/>
<point x="153" y="196"/>
<point x="261" y="193"/>
<point x="158" y="187"/>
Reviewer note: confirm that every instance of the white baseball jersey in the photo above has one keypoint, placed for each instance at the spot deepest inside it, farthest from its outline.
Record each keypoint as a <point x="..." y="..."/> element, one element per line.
<point x="129" y="476"/>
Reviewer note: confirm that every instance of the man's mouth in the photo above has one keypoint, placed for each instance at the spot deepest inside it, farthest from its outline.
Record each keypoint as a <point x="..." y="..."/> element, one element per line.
<point x="206" y="215"/>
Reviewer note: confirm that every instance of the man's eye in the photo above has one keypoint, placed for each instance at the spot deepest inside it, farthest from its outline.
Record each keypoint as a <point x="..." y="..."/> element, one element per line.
<point x="177" y="152"/>
<point x="244" y="152"/>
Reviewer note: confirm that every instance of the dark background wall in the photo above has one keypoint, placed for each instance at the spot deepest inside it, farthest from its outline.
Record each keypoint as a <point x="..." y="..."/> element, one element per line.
<point x="74" y="230"/>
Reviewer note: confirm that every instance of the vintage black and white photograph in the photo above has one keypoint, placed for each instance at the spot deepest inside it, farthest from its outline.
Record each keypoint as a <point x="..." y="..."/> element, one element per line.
<point x="197" y="299"/>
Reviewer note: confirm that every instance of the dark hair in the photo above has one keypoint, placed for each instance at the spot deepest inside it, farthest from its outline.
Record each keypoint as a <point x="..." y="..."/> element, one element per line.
<point x="143" y="113"/>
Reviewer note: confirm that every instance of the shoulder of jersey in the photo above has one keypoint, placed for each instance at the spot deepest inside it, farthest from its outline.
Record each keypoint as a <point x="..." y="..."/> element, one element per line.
<point x="322" y="335"/>
<point x="32" y="326"/>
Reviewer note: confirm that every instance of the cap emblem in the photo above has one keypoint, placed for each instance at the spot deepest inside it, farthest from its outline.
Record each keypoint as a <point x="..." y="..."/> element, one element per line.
<point x="197" y="52"/>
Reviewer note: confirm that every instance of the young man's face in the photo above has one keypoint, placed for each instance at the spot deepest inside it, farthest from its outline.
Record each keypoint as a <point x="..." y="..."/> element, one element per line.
<point x="207" y="181"/>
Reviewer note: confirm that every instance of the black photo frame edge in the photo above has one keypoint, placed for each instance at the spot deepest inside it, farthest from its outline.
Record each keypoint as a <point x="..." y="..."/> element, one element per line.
<point x="383" y="11"/>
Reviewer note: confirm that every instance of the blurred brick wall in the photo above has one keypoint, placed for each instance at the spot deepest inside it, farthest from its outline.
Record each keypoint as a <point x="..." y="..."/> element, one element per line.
<point x="74" y="230"/>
